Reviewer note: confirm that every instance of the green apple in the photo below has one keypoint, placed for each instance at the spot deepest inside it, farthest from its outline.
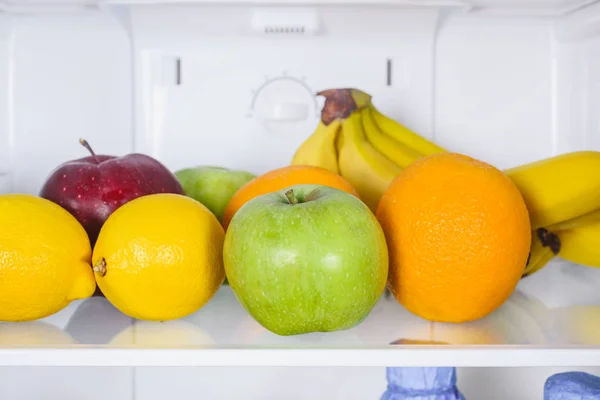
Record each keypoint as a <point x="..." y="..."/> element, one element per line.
<point x="308" y="258"/>
<point x="212" y="186"/>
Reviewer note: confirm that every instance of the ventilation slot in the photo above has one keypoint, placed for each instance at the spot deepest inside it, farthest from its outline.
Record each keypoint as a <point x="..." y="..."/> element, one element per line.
<point x="285" y="21"/>
<point x="284" y="29"/>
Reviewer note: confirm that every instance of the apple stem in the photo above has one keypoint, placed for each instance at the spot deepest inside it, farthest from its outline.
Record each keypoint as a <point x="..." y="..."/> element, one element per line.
<point x="85" y="144"/>
<point x="291" y="197"/>
<point x="100" y="267"/>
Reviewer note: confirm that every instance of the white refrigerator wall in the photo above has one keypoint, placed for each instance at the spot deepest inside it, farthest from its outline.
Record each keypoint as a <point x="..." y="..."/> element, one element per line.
<point x="506" y="89"/>
<point x="68" y="77"/>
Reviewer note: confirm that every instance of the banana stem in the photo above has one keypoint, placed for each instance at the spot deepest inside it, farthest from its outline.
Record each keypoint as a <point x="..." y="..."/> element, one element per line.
<point x="100" y="267"/>
<point x="340" y="103"/>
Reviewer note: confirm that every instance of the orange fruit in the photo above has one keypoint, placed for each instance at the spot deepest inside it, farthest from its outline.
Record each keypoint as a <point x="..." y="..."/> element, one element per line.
<point x="458" y="235"/>
<point x="281" y="178"/>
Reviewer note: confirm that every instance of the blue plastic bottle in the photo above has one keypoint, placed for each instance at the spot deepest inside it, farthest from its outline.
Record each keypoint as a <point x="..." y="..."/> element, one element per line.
<point x="421" y="384"/>
<point x="572" y="386"/>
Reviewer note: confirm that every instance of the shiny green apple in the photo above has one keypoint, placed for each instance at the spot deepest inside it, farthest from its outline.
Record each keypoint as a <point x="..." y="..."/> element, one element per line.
<point x="212" y="186"/>
<point x="305" y="259"/>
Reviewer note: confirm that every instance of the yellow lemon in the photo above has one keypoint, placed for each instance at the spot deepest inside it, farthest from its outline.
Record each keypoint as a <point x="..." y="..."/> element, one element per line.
<point x="160" y="257"/>
<point x="44" y="258"/>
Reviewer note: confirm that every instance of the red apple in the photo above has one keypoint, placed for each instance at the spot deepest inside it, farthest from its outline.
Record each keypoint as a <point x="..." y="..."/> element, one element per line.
<point x="93" y="187"/>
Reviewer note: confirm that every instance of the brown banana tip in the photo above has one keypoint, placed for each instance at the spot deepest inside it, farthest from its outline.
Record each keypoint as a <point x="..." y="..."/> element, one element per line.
<point x="340" y="103"/>
<point x="549" y="239"/>
<point x="542" y="234"/>
<point x="554" y="243"/>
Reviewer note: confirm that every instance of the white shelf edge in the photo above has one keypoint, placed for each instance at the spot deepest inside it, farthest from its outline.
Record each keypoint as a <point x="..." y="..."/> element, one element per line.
<point x="12" y="8"/>
<point x="530" y="9"/>
<point x="472" y="356"/>
<point x="419" y="3"/>
<point x="581" y="24"/>
<point x="490" y="7"/>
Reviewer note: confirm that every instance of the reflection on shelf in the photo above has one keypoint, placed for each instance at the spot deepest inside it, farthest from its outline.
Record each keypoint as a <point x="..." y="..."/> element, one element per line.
<point x="581" y="323"/>
<point x="526" y="319"/>
<point x="171" y="334"/>
<point x="35" y="333"/>
<point x="96" y="321"/>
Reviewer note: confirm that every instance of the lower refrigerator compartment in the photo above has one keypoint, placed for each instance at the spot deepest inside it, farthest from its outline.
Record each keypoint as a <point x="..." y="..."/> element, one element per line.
<point x="232" y="383"/>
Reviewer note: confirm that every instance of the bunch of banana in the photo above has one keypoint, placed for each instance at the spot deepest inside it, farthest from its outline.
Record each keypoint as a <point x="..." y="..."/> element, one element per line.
<point x="356" y="141"/>
<point x="545" y="245"/>
<point x="562" y="193"/>
<point x="578" y="241"/>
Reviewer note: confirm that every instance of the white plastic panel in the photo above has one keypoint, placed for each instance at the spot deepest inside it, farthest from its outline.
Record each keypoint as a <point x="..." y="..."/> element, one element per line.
<point x="572" y="95"/>
<point x="57" y="3"/>
<point x="329" y="383"/>
<point x="245" y="99"/>
<point x="497" y="82"/>
<point x="5" y="96"/>
<point x="66" y="383"/>
<point x="494" y="89"/>
<point x="494" y="93"/>
<point x="261" y="383"/>
<point x="72" y="79"/>
<point x="543" y="7"/>
<point x="592" y="92"/>
<point x="46" y="6"/>
<point x="581" y="24"/>
<point x="577" y="96"/>
<point x="254" y="383"/>
<point x="522" y="7"/>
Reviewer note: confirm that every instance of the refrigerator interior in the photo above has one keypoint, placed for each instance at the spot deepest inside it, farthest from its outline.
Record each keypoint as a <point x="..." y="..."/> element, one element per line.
<point x="232" y="83"/>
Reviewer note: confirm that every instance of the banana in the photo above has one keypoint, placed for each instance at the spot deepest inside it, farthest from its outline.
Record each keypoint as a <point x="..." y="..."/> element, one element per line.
<point x="394" y="150"/>
<point x="584" y="220"/>
<point x="545" y="245"/>
<point x="581" y="245"/>
<point x="319" y="148"/>
<point x="402" y="134"/>
<point x="562" y="193"/>
<point x="538" y="260"/>
<point x="559" y="188"/>
<point x="366" y="170"/>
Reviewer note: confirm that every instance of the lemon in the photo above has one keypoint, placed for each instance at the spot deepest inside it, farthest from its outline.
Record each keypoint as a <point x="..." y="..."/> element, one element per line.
<point x="44" y="258"/>
<point x="160" y="257"/>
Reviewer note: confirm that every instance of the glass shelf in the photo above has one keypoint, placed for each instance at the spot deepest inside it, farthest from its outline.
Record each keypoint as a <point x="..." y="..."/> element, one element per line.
<point x="553" y="319"/>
